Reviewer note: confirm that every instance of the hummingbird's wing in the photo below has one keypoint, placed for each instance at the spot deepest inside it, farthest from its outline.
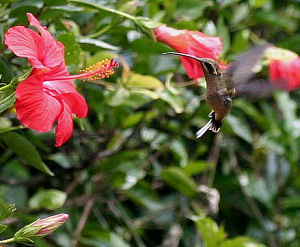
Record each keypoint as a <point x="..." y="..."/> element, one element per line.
<point x="241" y="70"/>
<point x="256" y="88"/>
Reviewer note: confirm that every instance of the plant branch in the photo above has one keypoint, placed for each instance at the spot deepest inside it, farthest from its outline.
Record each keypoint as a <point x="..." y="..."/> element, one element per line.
<point x="251" y="203"/>
<point x="86" y="212"/>
<point x="101" y="7"/>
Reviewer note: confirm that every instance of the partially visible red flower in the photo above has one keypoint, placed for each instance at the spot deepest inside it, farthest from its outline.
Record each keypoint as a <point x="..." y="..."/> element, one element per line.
<point x="285" y="74"/>
<point x="49" y="95"/>
<point x="191" y="42"/>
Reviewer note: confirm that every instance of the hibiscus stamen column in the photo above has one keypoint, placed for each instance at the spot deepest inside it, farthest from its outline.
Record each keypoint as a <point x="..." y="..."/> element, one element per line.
<point x="100" y="70"/>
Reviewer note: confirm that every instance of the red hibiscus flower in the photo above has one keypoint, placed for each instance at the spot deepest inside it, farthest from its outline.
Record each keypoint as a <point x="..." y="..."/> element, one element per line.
<point x="49" y="95"/>
<point x="191" y="42"/>
<point x="285" y="74"/>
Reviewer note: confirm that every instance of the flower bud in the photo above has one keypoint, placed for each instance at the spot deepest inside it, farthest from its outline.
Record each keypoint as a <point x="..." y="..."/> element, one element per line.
<point x="40" y="228"/>
<point x="50" y="224"/>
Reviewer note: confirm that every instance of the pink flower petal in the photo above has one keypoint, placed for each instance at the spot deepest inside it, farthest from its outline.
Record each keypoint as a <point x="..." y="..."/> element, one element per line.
<point x="36" y="108"/>
<point x="53" y="51"/>
<point x="24" y="42"/>
<point x="64" y="128"/>
<point x="191" y="42"/>
<point x="77" y="104"/>
<point x="50" y="224"/>
<point x="285" y="74"/>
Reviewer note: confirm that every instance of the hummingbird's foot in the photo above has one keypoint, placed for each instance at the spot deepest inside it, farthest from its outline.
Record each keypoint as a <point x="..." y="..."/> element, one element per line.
<point x="216" y="125"/>
<point x="211" y="114"/>
<point x="213" y="124"/>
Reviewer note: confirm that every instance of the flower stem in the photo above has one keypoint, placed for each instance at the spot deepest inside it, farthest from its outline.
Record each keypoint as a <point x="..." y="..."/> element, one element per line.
<point x="6" y="241"/>
<point x="101" y="7"/>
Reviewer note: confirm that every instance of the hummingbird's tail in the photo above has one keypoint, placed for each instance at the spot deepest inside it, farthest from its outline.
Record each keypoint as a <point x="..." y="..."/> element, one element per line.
<point x="206" y="127"/>
<point x="213" y="124"/>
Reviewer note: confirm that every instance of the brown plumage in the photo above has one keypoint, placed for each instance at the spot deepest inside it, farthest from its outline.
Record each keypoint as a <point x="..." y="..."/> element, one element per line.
<point x="222" y="86"/>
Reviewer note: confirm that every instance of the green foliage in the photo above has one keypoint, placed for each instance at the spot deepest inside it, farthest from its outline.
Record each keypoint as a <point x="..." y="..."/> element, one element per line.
<point x="133" y="173"/>
<point x="25" y="150"/>
<point x="48" y="199"/>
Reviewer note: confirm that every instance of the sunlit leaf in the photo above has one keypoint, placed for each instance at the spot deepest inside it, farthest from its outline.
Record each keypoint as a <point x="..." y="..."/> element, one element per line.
<point x="143" y="81"/>
<point x="176" y="177"/>
<point x="49" y="199"/>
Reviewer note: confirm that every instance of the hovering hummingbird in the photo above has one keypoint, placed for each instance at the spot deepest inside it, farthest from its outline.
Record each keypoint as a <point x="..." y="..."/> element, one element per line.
<point x="223" y="85"/>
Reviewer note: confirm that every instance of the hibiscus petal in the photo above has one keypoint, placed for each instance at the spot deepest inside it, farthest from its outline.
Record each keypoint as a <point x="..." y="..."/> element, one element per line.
<point x="205" y="46"/>
<point x="36" y="108"/>
<point x="193" y="68"/>
<point x="285" y="74"/>
<point x="53" y="51"/>
<point x="24" y="42"/>
<point x="191" y="42"/>
<point x="64" y="128"/>
<point x="172" y="37"/>
<point x="77" y="104"/>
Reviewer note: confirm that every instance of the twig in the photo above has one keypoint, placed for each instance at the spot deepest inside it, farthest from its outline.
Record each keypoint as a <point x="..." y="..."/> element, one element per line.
<point x="213" y="158"/>
<point x="74" y="183"/>
<point x="254" y="208"/>
<point x="121" y="213"/>
<point x="86" y="212"/>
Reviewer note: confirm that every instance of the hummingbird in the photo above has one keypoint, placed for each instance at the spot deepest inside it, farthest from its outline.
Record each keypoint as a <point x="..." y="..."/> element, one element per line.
<point x="223" y="85"/>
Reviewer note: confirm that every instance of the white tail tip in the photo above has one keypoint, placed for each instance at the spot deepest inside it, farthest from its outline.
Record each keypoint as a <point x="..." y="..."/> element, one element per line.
<point x="207" y="126"/>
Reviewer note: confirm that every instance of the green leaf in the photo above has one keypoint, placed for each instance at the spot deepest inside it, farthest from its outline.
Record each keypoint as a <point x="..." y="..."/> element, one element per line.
<point x="223" y="32"/>
<point x="20" y="8"/>
<point x="6" y="210"/>
<point x="119" y="96"/>
<point x="197" y="167"/>
<point x="2" y="228"/>
<point x="252" y="112"/>
<point x="7" y="92"/>
<point x="240" y="13"/>
<point x="25" y="150"/>
<point x="144" y="195"/>
<point x="211" y="234"/>
<point x="241" y="41"/>
<point x="49" y="199"/>
<point x="143" y="81"/>
<point x="5" y="68"/>
<point x="241" y="242"/>
<point x="240" y="127"/>
<point x="145" y="25"/>
<point x="288" y="108"/>
<point x="291" y="202"/>
<point x="98" y="43"/>
<point x="258" y="3"/>
<point x="177" y="178"/>
<point x="7" y="102"/>
<point x="179" y="151"/>
<point x="172" y="99"/>
<point x="132" y="120"/>
<point x="61" y="159"/>
<point x="100" y="55"/>
<point x="277" y="19"/>
<point x="104" y="239"/>
<point x="256" y="187"/>
<point x="72" y="48"/>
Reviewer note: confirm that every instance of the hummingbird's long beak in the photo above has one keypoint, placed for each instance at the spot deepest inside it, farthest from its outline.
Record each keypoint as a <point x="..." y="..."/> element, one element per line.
<point x="201" y="60"/>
